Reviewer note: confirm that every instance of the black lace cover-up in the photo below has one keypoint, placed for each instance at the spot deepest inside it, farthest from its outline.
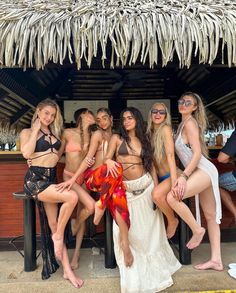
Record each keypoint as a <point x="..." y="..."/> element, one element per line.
<point x="36" y="180"/>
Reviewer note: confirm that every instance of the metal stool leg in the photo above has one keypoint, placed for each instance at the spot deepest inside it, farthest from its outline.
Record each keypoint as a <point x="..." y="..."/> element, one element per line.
<point x="110" y="261"/>
<point x="184" y="236"/>
<point x="29" y="236"/>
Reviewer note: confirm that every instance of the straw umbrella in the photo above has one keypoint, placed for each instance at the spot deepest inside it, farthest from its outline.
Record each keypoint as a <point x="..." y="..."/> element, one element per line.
<point x="33" y="33"/>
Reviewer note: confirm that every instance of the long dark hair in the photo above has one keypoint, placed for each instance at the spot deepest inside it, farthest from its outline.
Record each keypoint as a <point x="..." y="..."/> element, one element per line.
<point x="140" y="132"/>
<point x="78" y="121"/>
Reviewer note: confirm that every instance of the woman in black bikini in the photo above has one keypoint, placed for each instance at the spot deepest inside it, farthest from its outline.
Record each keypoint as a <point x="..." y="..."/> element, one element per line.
<point x="41" y="144"/>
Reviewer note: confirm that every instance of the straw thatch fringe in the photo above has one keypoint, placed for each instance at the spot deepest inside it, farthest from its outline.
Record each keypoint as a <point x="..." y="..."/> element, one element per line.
<point x="32" y="33"/>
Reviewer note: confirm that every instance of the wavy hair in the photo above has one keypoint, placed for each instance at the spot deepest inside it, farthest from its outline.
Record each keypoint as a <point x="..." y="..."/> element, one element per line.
<point x="56" y="126"/>
<point x="200" y="115"/>
<point x="155" y="134"/>
<point x="140" y="132"/>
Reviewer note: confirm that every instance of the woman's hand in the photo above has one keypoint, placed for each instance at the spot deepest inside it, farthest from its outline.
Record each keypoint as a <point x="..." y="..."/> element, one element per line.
<point x="36" y="125"/>
<point x="90" y="161"/>
<point x="65" y="185"/>
<point x="29" y="162"/>
<point x="112" y="168"/>
<point x="179" y="187"/>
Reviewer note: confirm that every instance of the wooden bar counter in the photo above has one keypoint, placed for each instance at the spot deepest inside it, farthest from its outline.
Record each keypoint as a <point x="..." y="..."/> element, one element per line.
<point x="12" y="171"/>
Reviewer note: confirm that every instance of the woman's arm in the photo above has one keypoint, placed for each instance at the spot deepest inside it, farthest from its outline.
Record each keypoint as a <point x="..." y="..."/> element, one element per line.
<point x="111" y="164"/>
<point x="192" y="133"/>
<point x="96" y="139"/>
<point x="170" y="153"/>
<point x="63" y="143"/>
<point x="28" y="138"/>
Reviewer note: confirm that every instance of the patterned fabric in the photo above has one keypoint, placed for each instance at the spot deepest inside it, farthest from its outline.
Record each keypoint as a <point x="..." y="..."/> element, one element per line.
<point x="36" y="180"/>
<point x="111" y="190"/>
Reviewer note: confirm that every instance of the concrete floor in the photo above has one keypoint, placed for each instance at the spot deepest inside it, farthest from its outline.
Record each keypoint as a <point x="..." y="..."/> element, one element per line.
<point x="101" y="280"/>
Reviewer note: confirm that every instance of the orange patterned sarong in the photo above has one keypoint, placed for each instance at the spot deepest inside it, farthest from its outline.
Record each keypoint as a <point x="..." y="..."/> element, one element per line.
<point x="111" y="190"/>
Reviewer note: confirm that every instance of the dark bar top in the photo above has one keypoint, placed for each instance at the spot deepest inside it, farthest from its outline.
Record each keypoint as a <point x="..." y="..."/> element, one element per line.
<point x="11" y="156"/>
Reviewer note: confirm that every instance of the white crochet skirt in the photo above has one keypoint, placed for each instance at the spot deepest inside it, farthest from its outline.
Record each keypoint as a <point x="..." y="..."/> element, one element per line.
<point x="154" y="260"/>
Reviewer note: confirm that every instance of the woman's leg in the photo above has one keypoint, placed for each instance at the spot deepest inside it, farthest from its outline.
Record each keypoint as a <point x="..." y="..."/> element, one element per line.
<point x="192" y="187"/>
<point x="51" y="210"/>
<point x="78" y="229"/>
<point x="159" y="195"/>
<point x="208" y="205"/>
<point x="124" y="240"/>
<point x="69" y="200"/>
<point x="68" y="273"/>
<point x="87" y="201"/>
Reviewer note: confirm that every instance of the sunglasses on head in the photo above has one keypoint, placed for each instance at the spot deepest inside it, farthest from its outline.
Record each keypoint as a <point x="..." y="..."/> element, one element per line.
<point x="156" y="111"/>
<point x="185" y="103"/>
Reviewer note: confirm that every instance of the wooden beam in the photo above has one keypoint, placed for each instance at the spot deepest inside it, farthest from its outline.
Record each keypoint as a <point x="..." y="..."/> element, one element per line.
<point x="19" y="114"/>
<point x="9" y="84"/>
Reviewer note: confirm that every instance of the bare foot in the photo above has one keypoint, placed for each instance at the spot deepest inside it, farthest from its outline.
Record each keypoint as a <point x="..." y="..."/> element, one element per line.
<point x="196" y="239"/>
<point x="128" y="256"/>
<point x="74" y="263"/>
<point x="75" y="281"/>
<point x="171" y="228"/>
<point x="98" y="214"/>
<point x="210" y="265"/>
<point x="58" y="246"/>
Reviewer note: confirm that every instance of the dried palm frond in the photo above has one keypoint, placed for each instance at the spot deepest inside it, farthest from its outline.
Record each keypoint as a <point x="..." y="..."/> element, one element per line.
<point x="35" y="32"/>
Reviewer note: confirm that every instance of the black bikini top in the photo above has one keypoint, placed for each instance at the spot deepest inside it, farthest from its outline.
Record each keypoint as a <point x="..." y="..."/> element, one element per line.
<point x="42" y="145"/>
<point x="123" y="151"/>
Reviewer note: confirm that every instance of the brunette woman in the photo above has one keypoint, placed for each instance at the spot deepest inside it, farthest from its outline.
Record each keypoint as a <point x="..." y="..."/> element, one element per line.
<point x="154" y="261"/>
<point x="75" y="142"/>
<point x="110" y="189"/>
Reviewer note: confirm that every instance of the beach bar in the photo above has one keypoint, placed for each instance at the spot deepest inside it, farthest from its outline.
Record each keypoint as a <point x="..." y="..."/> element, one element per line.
<point x="113" y="54"/>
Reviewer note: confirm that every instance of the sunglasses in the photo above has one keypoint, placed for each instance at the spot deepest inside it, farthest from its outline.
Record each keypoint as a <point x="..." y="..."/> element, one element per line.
<point x="156" y="111"/>
<point x="185" y="103"/>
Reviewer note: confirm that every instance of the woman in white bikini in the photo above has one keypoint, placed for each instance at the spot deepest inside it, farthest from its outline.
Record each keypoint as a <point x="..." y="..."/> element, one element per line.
<point x="200" y="176"/>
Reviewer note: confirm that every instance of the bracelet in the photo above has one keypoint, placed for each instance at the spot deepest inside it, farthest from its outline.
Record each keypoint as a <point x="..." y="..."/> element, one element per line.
<point x="184" y="176"/>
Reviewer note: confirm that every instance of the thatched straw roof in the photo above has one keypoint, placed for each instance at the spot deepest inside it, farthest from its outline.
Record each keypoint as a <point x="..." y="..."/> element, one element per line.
<point x="34" y="32"/>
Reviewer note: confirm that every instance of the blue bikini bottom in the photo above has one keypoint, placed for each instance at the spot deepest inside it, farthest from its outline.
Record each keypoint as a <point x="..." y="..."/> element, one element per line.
<point x="164" y="177"/>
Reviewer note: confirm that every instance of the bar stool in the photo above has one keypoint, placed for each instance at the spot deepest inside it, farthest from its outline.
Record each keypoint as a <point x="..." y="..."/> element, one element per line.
<point x="29" y="232"/>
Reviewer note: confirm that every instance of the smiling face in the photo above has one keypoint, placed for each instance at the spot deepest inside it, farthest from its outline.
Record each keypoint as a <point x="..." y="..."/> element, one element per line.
<point x="187" y="105"/>
<point x="158" y="114"/>
<point x="103" y="120"/>
<point x="128" y="121"/>
<point x="47" y="115"/>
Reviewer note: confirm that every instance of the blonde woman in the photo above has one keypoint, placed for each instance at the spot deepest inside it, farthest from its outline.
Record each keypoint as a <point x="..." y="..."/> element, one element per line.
<point x="42" y="145"/>
<point x="199" y="177"/>
<point x="160" y="133"/>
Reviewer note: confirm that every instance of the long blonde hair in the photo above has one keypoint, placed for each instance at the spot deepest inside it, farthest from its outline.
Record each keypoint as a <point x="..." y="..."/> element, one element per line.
<point x="57" y="125"/>
<point x="156" y="134"/>
<point x="200" y="116"/>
